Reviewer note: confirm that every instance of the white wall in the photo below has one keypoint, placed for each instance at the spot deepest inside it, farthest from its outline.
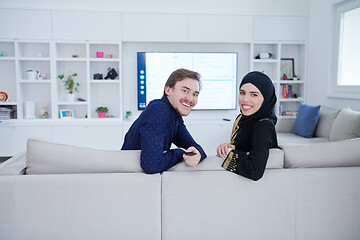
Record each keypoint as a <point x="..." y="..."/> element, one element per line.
<point x="319" y="37"/>
<point x="258" y="7"/>
<point x="320" y="28"/>
<point x="319" y="57"/>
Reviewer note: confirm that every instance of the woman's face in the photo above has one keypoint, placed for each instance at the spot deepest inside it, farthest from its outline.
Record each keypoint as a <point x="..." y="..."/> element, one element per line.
<point x="250" y="99"/>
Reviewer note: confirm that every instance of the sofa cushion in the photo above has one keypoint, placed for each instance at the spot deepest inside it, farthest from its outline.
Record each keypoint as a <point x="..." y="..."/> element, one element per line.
<point x="213" y="162"/>
<point x="15" y="165"/>
<point x="346" y="125"/>
<point x="343" y="153"/>
<point x="326" y="121"/>
<point x="47" y="158"/>
<point x="289" y="139"/>
<point x="306" y="120"/>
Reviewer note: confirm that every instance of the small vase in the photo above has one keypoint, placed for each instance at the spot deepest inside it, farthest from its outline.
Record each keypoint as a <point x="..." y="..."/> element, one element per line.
<point x="102" y="114"/>
<point x="31" y="75"/>
<point x="70" y="97"/>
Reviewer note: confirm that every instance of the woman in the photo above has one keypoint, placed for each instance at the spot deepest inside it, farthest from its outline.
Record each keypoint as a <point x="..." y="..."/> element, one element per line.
<point x="253" y="131"/>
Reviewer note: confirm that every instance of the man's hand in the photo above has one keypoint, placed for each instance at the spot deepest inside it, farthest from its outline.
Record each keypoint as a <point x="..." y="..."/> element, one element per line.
<point x="192" y="160"/>
<point x="223" y="149"/>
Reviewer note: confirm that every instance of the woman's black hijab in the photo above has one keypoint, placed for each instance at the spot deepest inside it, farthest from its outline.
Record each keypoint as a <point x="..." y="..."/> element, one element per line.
<point x="266" y="111"/>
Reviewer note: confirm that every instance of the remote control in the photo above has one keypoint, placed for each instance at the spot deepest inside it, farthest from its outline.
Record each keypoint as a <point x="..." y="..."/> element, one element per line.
<point x="190" y="153"/>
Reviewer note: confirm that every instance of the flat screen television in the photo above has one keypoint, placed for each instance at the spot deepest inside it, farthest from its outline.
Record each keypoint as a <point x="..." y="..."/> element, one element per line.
<point x="218" y="76"/>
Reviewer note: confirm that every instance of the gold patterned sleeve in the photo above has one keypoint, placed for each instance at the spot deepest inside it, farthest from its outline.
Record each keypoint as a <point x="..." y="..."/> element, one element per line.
<point x="235" y="129"/>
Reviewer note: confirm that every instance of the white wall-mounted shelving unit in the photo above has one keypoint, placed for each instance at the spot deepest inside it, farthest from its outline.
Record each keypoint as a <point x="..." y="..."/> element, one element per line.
<point x="286" y="106"/>
<point x="52" y="58"/>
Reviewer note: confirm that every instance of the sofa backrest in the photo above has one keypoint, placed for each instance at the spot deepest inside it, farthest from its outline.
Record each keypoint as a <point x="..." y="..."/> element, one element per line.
<point x="44" y="157"/>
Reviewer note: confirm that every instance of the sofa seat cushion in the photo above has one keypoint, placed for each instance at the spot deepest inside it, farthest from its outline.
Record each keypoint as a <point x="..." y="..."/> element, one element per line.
<point x="213" y="163"/>
<point x="48" y="158"/>
<point x="345" y="153"/>
<point x="290" y="139"/>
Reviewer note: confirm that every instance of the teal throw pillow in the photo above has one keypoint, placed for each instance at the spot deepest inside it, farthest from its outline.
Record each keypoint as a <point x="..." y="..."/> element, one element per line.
<point x="306" y="120"/>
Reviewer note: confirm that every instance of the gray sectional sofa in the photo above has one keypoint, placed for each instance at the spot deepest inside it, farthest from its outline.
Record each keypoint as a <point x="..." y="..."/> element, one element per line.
<point x="310" y="190"/>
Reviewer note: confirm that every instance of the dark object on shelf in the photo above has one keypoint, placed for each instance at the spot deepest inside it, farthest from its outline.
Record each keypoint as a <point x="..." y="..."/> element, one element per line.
<point x="112" y="74"/>
<point x="98" y="76"/>
<point x="7" y="112"/>
<point x="81" y="100"/>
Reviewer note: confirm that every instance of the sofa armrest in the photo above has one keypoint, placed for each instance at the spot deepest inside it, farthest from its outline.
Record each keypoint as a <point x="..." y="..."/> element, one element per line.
<point x="345" y="153"/>
<point x="15" y="165"/>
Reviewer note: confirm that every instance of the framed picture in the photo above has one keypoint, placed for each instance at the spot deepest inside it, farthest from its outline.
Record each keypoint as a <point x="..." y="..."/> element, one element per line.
<point x="66" y="114"/>
<point x="287" y="67"/>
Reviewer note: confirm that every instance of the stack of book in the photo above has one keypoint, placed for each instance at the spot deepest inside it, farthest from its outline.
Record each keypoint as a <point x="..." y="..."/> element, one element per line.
<point x="287" y="91"/>
<point x="289" y="113"/>
<point x="6" y="113"/>
<point x="286" y="112"/>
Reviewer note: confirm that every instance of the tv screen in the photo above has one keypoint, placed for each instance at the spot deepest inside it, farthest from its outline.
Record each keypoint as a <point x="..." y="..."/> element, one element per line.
<point x="218" y="77"/>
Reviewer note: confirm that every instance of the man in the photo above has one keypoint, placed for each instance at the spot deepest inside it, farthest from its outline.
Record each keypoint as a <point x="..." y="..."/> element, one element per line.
<point x="161" y="124"/>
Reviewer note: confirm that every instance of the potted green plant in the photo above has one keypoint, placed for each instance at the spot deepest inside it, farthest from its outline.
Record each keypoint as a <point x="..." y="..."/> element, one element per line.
<point x="70" y="85"/>
<point x="102" y="111"/>
<point x="128" y="114"/>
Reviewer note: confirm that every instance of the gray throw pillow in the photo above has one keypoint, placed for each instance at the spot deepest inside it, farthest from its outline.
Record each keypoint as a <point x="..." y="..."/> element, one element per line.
<point x="346" y="125"/>
<point x="48" y="158"/>
<point x="325" y="122"/>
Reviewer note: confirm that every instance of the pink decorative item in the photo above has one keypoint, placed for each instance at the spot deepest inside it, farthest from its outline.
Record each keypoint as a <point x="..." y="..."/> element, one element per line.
<point x="99" y="54"/>
<point x="102" y="114"/>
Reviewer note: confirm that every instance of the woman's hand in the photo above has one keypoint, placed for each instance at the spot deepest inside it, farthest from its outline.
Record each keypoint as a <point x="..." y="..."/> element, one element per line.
<point x="223" y="149"/>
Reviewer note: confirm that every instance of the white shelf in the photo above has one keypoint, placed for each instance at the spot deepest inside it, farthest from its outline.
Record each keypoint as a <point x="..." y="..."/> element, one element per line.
<point x="105" y="81"/>
<point x="80" y="59"/>
<point x="8" y="103"/>
<point x="266" y="60"/>
<point x="104" y="59"/>
<point x="289" y="82"/>
<point x="34" y="59"/>
<point x="73" y="103"/>
<point x="291" y="99"/>
<point x="7" y="58"/>
<point x="291" y="117"/>
<point x="35" y="81"/>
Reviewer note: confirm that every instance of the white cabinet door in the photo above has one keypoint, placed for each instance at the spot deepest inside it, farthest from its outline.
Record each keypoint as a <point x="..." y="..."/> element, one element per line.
<point x="14" y="139"/>
<point x="98" y="137"/>
<point x="25" y="24"/>
<point x="69" y="25"/>
<point x="154" y="27"/>
<point x="269" y="28"/>
<point x="220" y="28"/>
